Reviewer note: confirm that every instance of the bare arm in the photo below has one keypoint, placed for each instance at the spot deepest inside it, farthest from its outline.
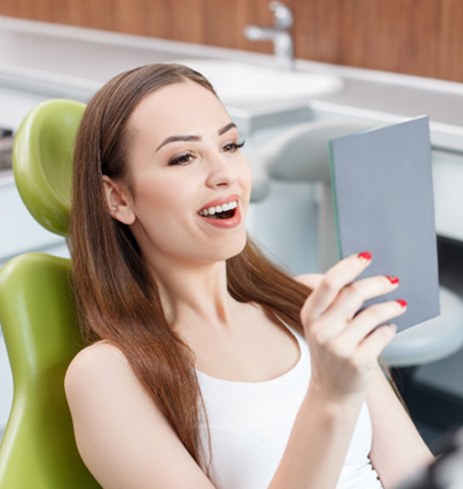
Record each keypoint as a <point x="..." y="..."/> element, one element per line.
<point x="344" y="348"/>
<point x="398" y="450"/>
<point x="122" y="437"/>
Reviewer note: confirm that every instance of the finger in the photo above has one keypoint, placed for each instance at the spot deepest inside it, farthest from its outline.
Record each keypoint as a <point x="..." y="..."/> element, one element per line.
<point x="366" y="322"/>
<point x="374" y="343"/>
<point x="337" y="277"/>
<point x="339" y="316"/>
<point x="352" y="297"/>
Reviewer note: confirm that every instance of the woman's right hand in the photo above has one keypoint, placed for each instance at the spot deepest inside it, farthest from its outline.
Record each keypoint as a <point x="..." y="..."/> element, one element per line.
<point x="344" y="343"/>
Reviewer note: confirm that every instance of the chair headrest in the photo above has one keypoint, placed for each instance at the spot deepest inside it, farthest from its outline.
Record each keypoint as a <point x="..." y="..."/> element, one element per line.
<point x="301" y="153"/>
<point x="42" y="161"/>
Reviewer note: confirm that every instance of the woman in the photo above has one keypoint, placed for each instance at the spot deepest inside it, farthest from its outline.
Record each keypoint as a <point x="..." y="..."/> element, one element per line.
<point x="446" y="472"/>
<point x="207" y="366"/>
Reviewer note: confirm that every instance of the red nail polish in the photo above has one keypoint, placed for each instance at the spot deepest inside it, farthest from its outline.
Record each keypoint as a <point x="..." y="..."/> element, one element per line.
<point x="402" y="302"/>
<point x="365" y="255"/>
<point x="392" y="279"/>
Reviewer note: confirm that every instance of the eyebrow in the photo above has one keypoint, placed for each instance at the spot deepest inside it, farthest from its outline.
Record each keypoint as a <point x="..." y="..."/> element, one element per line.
<point x="188" y="137"/>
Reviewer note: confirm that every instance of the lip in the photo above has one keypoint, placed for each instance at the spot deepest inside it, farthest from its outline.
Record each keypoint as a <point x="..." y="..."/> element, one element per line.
<point x="223" y="223"/>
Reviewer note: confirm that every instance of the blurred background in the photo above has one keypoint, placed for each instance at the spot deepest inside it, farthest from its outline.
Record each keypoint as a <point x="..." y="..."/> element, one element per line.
<point x="417" y="37"/>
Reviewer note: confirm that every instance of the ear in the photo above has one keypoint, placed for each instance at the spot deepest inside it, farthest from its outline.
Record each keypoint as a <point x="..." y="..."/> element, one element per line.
<point x="118" y="200"/>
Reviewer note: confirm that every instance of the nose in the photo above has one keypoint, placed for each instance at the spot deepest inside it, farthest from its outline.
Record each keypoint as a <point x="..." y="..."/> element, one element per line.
<point x="220" y="171"/>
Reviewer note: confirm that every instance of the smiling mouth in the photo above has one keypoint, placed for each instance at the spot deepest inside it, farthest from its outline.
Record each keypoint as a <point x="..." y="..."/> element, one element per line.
<point x="225" y="211"/>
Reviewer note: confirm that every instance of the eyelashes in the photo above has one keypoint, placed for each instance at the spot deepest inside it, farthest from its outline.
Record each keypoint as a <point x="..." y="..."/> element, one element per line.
<point x="182" y="159"/>
<point x="188" y="156"/>
<point x="233" y="146"/>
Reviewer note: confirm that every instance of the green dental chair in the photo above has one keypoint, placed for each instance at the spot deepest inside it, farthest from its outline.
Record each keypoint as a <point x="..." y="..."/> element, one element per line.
<point x="37" y="313"/>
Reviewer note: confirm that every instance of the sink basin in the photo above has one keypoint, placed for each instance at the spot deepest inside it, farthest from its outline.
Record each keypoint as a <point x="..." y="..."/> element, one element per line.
<point x="238" y="82"/>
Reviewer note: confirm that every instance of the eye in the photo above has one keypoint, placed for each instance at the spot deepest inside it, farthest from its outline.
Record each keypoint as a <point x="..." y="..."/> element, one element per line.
<point x="182" y="159"/>
<point x="232" y="147"/>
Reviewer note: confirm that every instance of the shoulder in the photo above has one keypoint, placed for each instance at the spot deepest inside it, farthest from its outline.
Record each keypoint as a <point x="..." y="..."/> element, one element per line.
<point x="100" y="385"/>
<point x="97" y="369"/>
<point x="98" y="358"/>
<point x="120" y="432"/>
<point x="311" y="280"/>
<point x="101" y="351"/>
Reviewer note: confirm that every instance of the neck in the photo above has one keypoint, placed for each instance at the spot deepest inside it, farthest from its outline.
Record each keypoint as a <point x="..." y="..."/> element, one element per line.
<point x="195" y="293"/>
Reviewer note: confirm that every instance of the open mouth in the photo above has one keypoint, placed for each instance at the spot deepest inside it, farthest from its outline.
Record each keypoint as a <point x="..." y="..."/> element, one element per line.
<point x="225" y="211"/>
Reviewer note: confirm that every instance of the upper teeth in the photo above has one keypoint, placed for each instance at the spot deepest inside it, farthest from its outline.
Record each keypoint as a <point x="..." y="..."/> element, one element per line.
<point x="210" y="211"/>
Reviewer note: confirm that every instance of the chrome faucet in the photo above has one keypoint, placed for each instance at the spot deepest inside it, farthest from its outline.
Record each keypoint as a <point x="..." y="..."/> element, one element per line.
<point x="279" y="34"/>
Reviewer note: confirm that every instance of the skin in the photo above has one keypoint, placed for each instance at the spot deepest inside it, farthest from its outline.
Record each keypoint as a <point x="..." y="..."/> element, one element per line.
<point x="121" y="435"/>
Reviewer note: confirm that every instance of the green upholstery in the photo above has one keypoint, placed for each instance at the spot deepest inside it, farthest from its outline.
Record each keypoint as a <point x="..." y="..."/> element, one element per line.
<point x="37" y="314"/>
<point x="39" y="325"/>
<point x="42" y="156"/>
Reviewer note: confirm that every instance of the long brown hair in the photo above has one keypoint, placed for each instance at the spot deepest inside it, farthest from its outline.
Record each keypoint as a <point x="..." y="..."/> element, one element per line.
<point x="117" y="299"/>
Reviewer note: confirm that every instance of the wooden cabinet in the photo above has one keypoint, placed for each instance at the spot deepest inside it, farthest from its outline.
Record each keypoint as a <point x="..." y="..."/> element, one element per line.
<point x="419" y="37"/>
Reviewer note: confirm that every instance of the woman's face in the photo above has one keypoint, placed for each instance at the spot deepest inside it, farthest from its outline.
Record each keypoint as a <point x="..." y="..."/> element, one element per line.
<point x="189" y="185"/>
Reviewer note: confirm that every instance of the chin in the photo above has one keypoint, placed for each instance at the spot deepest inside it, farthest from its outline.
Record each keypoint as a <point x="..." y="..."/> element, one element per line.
<point x="230" y="250"/>
<point x="237" y="251"/>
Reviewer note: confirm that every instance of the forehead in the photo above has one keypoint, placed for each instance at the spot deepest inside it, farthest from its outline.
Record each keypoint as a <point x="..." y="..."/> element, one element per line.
<point x="180" y="108"/>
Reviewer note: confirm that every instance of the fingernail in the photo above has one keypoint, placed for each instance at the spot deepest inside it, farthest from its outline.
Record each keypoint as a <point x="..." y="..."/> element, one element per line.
<point x="365" y="256"/>
<point x="394" y="280"/>
<point x="402" y="302"/>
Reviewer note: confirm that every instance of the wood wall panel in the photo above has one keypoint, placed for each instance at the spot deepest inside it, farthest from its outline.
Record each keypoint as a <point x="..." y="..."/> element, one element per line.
<point x="317" y="27"/>
<point x="396" y="35"/>
<point x="420" y="37"/>
<point x="450" y="59"/>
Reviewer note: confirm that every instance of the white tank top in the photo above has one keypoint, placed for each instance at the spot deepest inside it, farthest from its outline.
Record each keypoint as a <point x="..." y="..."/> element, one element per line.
<point x="250" y="423"/>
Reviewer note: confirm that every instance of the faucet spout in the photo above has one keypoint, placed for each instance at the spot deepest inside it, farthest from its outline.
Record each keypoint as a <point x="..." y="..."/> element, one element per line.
<point x="282" y="15"/>
<point x="279" y="34"/>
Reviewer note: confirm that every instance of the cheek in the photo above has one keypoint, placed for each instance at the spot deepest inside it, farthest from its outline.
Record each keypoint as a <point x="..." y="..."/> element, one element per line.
<point x="164" y="204"/>
<point x="161" y="212"/>
<point x="249" y="177"/>
<point x="159" y="185"/>
<point x="246" y="181"/>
